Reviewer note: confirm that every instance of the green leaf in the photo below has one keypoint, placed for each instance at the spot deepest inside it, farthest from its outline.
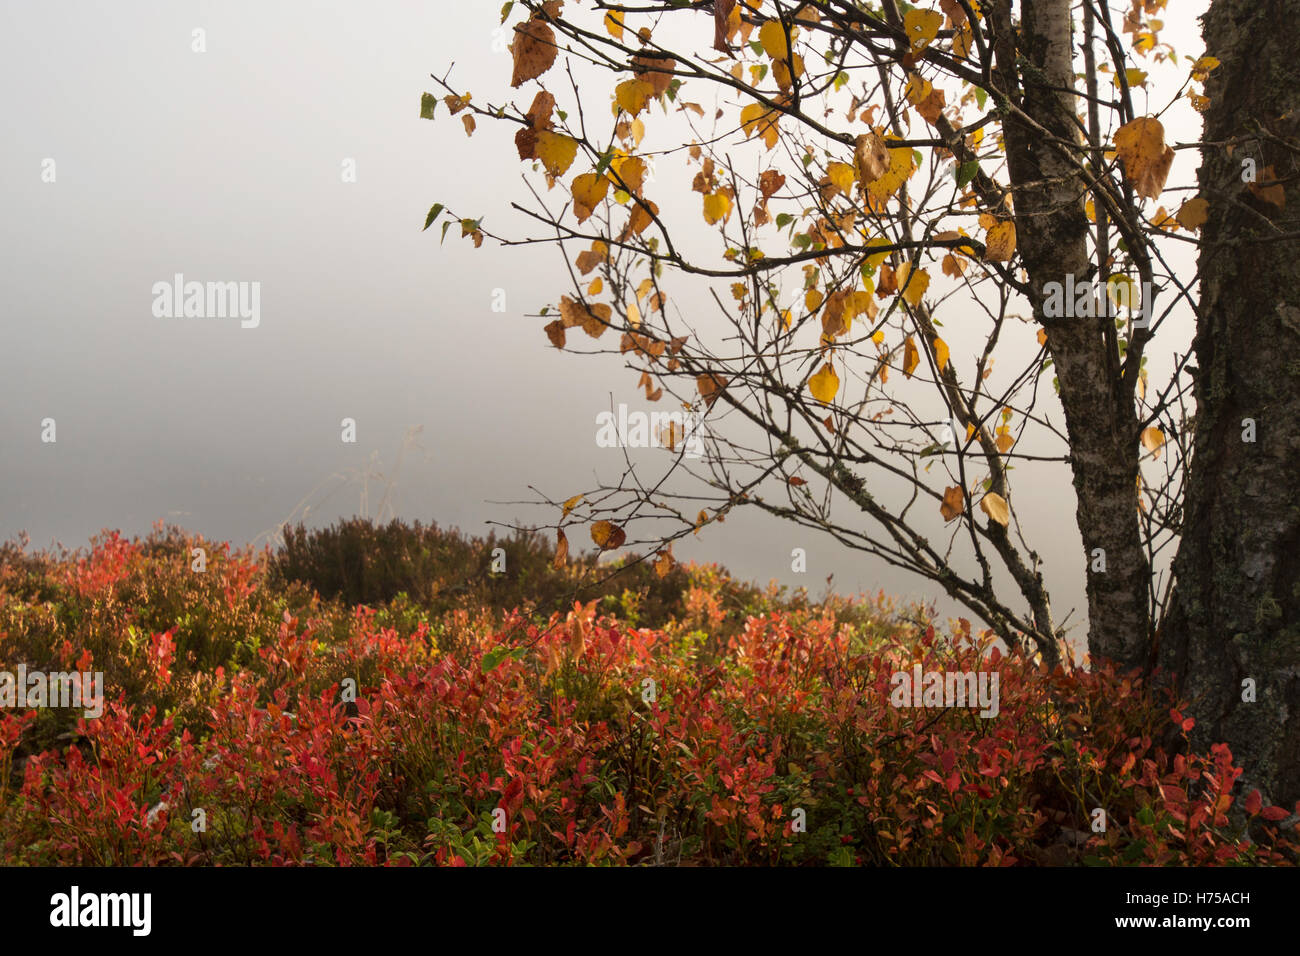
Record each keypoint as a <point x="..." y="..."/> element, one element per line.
<point x="783" y="219"/>
<point x="840" y="856"/>
<point x="445" y="226"/>
<point x="505" y="9"/>
<point x="966" y="172"/>
<point x="428" y="103"/>
<point x="434" y="212"/>
<point x="981" y="96"/>
<point x="493" y="658"/>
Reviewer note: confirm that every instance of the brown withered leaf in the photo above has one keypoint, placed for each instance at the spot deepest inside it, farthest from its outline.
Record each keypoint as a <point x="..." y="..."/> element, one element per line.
<point x="653" y="70"/>
<point x="871" y="156"/>
<point x="886" y="281"/>
<point x="533" y="50"/>
<point x="539" y="113"/>
<point x="561" y="550"/>
<point x="721" y="16"/>
<point x="588" y="260"/>
<point x="555" y="332"/>
<point x="710" y="386"/>
<point x="526" y="142"/>
<point x="769" y="182"/>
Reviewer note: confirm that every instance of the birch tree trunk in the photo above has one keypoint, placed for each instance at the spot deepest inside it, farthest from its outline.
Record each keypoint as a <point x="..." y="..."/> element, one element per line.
<point x="1235" y="620"/>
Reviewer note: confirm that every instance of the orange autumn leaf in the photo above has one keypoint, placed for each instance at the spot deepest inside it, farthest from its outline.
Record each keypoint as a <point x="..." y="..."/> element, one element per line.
<point x="911" y="357"/>
<point x="607" y="535"/>
<point x="1140" y="146"/>
<point x="710" y="386"/>
<point x="954" y="503"/>
<point x="561" y="550"/>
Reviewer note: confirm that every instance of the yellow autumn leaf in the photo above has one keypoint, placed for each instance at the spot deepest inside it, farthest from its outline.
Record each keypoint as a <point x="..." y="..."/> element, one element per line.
<point x="913" y="283"/>
<point x="771" y="35"/>
<point x="1140" y="146"/>
<point x="825" y="385"/>
<point x="717" y="207"/>
<point x="1000" y="243"/>
<point x="570" y="504"/>
<point x="876" y="258"/>
<point x="1203" y="67"/>
<point x="588" y="191"/>
<point x="901" y="167"/>
<point x="918" y="89"/>
<point x="632" y="95"/>
<point x="1153" y="439"/>
<point x="1123" y="291"/>
<point x="842" y="175"/>
<point x="995" y="506"/>
<point x="781" y="72"/>
<point x="862" y="301"/>
<point x="757" y="120"/>
<point x="922" y="26"/>
<point x="812" y="299"/>
<point x="1193" y="214"/>
<point x="556" y="151"/>
<point x="614" y="24"/>
<point x="596" y="287"/>
<point x="911" y="357"/>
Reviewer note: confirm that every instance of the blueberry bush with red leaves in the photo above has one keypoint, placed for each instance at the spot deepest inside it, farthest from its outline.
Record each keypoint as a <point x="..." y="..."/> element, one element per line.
<point x="749" y="727"/>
